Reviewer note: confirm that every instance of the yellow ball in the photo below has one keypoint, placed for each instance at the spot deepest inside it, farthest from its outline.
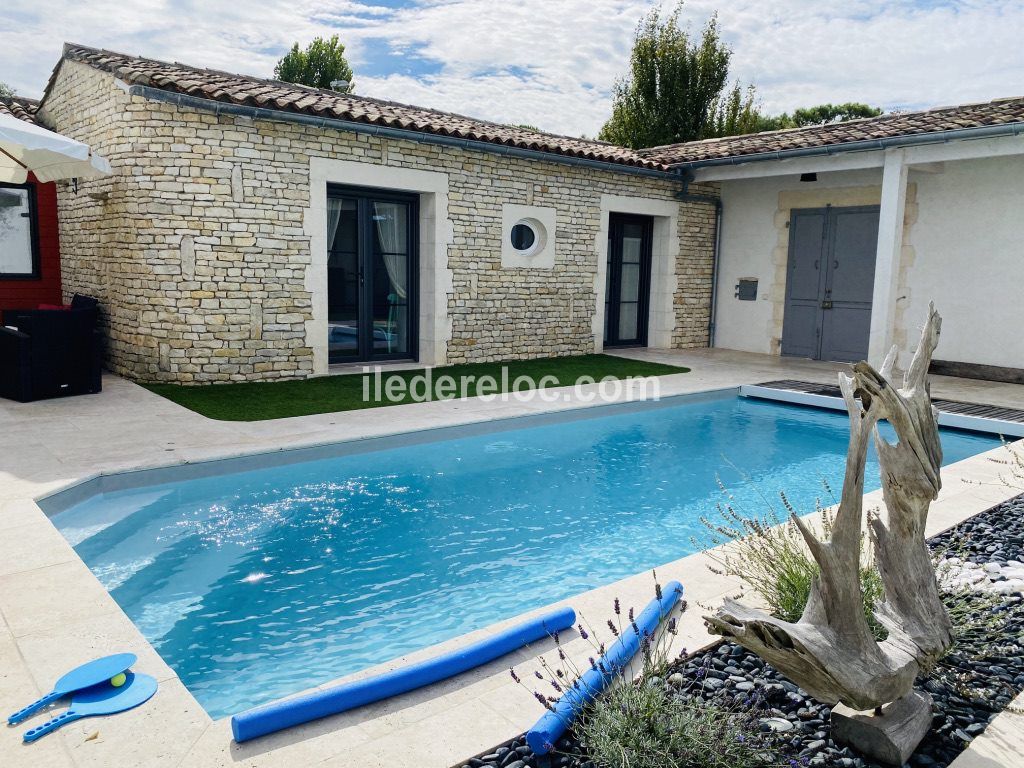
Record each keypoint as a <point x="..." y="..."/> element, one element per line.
<point x="118" y="680"/>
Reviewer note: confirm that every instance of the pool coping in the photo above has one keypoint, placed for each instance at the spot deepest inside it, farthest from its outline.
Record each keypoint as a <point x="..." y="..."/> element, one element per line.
<point x="457" y="718"/>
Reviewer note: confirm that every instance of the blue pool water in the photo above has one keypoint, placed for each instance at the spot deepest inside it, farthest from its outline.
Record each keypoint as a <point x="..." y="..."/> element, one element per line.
<point x="256" y="584"/>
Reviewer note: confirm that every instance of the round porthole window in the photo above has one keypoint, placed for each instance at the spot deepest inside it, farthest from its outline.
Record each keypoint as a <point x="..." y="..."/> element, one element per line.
<point x="527" y="236"/>
<point x="523" y="237"/>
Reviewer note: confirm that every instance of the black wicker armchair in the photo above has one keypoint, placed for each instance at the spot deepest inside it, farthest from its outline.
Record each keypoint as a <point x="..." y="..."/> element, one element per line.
<point x="51" y="352"/>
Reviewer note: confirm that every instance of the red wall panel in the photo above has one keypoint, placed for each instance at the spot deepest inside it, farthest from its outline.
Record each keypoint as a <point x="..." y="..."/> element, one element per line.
<point x="22" y="294"/>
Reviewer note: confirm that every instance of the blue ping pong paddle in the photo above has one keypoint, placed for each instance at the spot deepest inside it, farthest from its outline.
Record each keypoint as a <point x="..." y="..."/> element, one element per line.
<point x="89" y="674"/>
<point x="102" y="699"/>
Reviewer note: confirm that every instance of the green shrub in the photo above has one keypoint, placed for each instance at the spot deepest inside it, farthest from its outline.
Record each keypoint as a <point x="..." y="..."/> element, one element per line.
<point x="769" y="555"/>
<point x="648" y="726"/>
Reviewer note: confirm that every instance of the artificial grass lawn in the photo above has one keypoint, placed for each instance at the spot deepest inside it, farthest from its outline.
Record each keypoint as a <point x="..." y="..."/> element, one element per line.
<point x="256" y="401"/>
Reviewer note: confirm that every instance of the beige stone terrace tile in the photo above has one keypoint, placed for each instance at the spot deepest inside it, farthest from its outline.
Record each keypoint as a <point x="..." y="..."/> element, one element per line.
<point x="17" y="512"/>
<point x="28" y="459"/>
<point x="159" y="733"/>
<point x="34" y="544"/>
<point x="1002" y="743"/>
<point x="17" y="688"/>
<point x="304" y="745"/>
<point x="40" y="483"/>
<point x="48" y="752"/>
<point x="50" y="597"/>
<point x="437" y="742"/>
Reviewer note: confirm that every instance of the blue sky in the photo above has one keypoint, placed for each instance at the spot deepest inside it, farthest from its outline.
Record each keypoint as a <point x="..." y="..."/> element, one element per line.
<point x="551" y="63"/>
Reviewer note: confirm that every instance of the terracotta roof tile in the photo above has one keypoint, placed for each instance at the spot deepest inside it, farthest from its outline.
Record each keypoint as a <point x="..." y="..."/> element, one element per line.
<point x="19" y="107"/>
<point x="937" y="120"/>
<point x="271" y="94"/>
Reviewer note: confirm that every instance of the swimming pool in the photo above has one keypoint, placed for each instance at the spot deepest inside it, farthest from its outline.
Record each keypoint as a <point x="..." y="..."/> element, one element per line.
<point x="261" y="577"/>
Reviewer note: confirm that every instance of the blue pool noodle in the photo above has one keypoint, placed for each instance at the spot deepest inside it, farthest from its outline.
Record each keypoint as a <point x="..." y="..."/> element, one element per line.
<point x="283" y="714"/>
<point x="546" y="732"/>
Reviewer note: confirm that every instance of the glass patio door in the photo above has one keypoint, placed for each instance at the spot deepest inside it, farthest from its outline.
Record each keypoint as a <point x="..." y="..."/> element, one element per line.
<point x="371" y="268"/>
<point x="627" y="280"/>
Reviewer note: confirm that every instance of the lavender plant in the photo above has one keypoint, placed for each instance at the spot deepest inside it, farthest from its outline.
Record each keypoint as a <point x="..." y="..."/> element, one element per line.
<point x="768" y="554"/>
<point x="645" y="722"/>
<point x="562" y="671"/>
<point x="653" y="726"/>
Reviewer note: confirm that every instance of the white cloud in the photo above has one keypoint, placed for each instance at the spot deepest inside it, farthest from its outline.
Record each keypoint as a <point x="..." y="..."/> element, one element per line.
<point x="552" y="62"/>
<point x="888" y="54"/>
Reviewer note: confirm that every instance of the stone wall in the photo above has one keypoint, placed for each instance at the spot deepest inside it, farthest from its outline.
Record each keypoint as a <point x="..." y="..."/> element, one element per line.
<point x="197" y="249"/>
<point x="694" y="267"/>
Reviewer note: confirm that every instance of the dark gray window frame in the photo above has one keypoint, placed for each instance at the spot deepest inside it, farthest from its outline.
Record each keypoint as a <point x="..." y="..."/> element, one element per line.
<point x="616" y="221"/>
<point x="363" y="196"/>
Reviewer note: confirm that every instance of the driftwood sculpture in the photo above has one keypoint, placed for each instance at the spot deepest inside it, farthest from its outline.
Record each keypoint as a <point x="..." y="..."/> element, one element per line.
<point x="830" y="652"/>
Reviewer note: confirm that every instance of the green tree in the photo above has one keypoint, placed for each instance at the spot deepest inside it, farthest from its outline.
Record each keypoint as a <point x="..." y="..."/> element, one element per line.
<point x="322" y="63"/>
<point x="833" y="113"/>
<point x="734" y="113"/>
<point x="676" y="87"/>
<point x="822" y="114"/>
<point x="5" y="90"/>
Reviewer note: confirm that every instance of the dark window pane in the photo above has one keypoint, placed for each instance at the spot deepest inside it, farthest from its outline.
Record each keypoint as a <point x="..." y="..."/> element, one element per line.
<point x="342" y="278"/>
<point x="629" y="287"/>
<point x="523" y="237"/>
<point x="627" y="321"/>
<point x="390" y="311"/>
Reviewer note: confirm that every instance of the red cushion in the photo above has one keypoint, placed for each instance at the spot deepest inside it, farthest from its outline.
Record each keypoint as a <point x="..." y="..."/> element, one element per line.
<point x="54" y="306"/>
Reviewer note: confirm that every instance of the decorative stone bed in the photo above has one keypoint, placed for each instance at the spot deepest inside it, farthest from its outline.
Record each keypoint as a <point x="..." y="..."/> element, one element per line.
<point x="980" y="677"/>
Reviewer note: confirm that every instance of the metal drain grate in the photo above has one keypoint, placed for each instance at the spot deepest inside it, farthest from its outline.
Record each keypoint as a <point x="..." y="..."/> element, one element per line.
<point x="946" y="406"/>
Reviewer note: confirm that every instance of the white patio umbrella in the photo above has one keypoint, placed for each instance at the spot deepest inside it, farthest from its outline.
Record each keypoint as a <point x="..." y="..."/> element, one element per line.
<point x="26" y="147"/>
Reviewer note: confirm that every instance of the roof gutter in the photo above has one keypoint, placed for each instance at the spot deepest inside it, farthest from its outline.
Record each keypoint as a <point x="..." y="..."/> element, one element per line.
<point x="383" y="131"/>
<point x="939" y="137"/>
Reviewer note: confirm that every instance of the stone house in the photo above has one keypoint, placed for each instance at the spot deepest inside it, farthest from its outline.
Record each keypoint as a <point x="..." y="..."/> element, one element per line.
<point x="246" y="231"/>
<point x="261" y="230"/>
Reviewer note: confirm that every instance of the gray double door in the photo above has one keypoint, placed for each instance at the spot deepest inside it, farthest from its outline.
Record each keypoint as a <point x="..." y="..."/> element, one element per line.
<point x="829" y="282"/>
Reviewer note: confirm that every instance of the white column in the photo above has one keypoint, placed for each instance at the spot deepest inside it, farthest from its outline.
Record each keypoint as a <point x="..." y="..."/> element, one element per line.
<point x="887" y="258"/>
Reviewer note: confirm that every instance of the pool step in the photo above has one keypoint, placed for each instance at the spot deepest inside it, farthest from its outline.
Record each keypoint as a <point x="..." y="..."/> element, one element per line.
<point x="978" y="417"/>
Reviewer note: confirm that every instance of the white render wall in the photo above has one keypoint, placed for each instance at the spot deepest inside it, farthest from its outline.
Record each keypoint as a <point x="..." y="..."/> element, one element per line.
<point x="753" y="231"/>
<point x="969" y="259"/>
<point x="963" y="249"/>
